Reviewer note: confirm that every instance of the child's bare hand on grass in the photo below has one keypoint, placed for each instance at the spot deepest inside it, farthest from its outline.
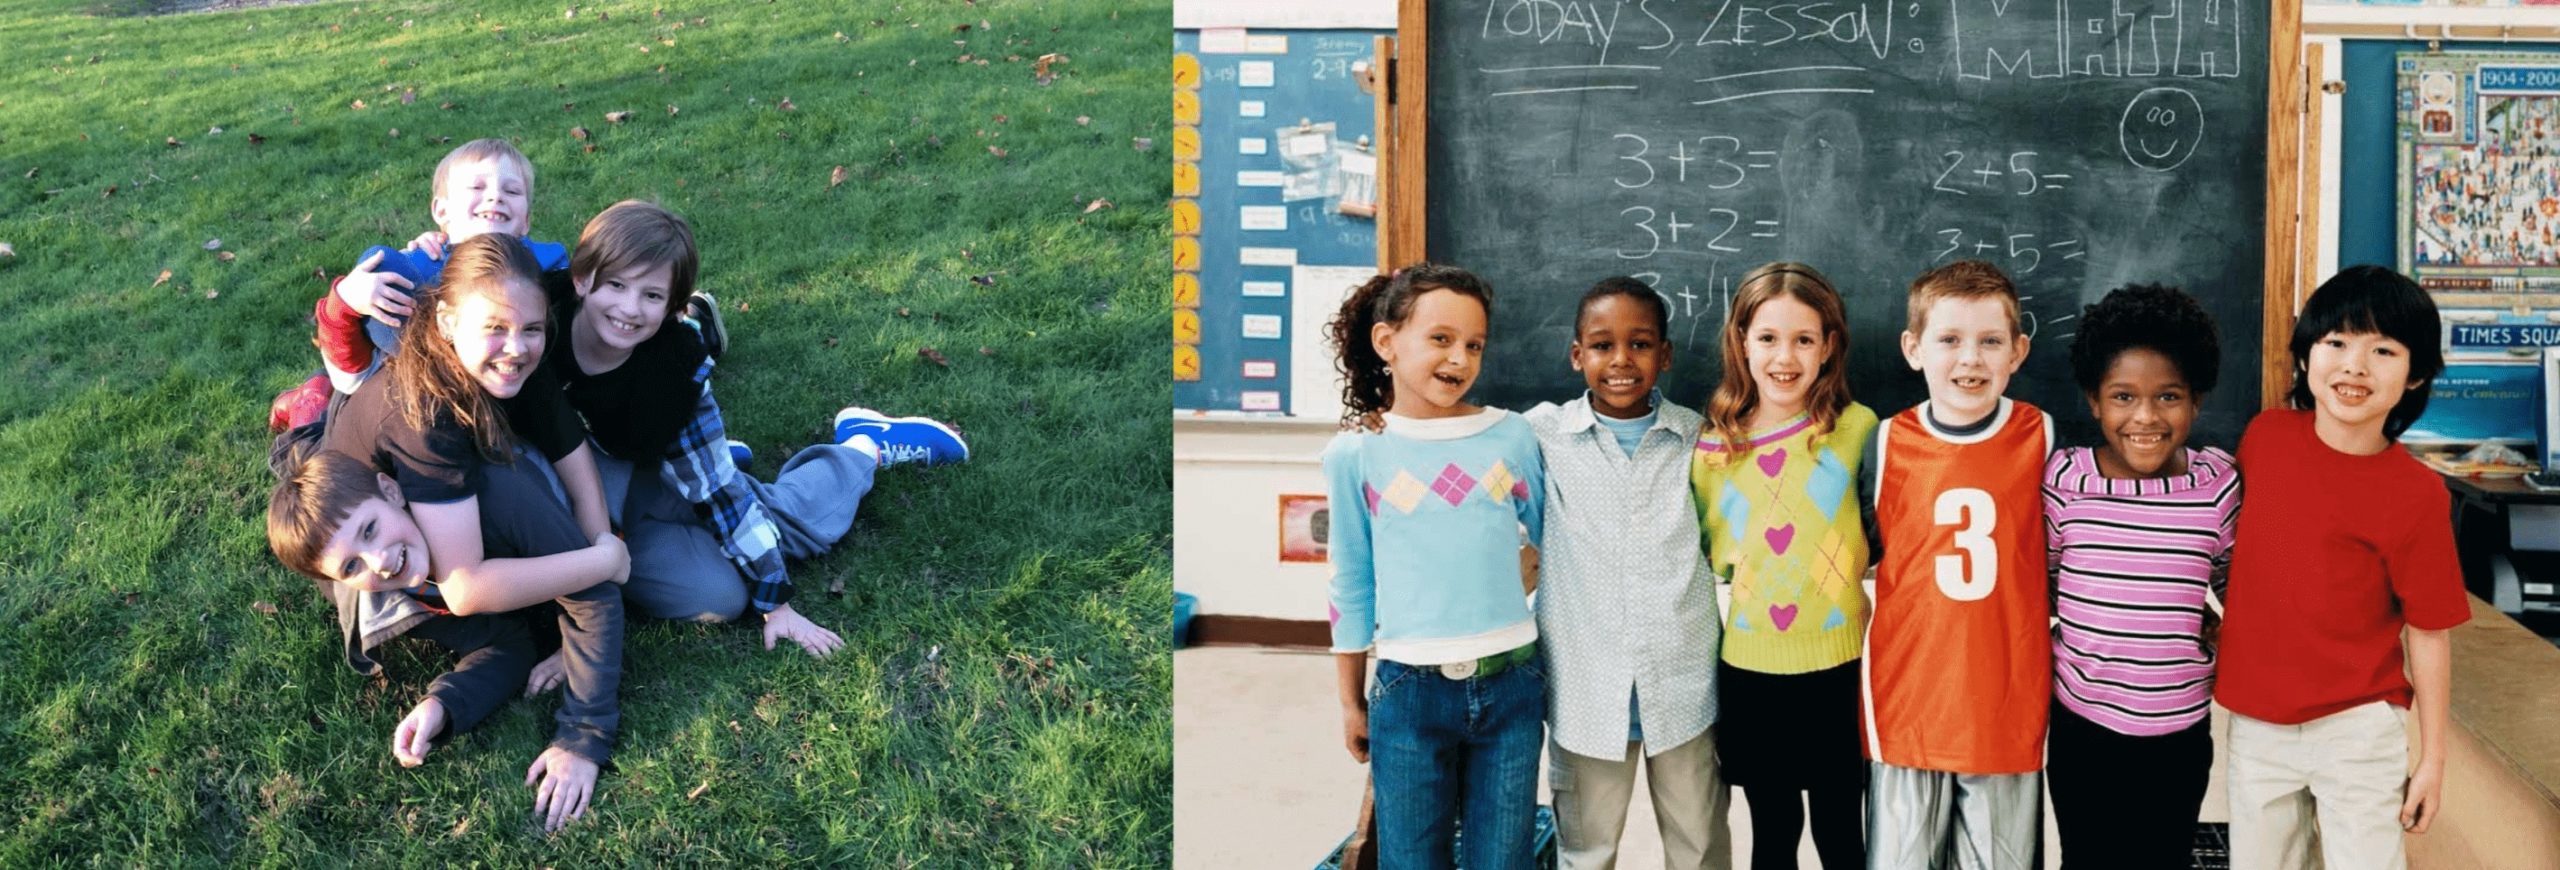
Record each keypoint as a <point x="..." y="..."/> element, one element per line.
<point x="417" y="732"/>
<point x="430" y="242"/>
<point x="547" y="676"/>
<point x="2425" y="792"/>
<point x="376" y="294"/>
<point x="785" y="623"/>
<point x="562" y="783"/>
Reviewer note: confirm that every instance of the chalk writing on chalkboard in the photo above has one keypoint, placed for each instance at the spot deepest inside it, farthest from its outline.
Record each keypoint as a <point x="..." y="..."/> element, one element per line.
<point x="2077" y="145"/>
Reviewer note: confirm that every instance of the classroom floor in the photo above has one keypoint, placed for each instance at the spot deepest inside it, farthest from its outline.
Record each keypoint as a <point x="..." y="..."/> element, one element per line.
<point x="1260" y="778"/>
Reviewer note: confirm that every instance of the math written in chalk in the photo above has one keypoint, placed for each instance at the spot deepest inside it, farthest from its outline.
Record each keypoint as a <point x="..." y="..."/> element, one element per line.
<point x="1714" y="162"/>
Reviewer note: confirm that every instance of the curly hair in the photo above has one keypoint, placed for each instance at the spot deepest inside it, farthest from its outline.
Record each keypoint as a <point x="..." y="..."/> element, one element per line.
<point x="2160" y="318"/>
<point x="1367" y="389"/>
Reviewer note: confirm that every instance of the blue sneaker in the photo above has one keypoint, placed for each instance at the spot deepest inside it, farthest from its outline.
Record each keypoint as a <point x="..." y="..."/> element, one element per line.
<point x="903" y="439"/>
<point x="740" y="454"/>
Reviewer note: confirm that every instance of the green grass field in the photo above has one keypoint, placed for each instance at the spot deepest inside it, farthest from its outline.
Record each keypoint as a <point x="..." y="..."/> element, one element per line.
<point x="1002" y="699"/>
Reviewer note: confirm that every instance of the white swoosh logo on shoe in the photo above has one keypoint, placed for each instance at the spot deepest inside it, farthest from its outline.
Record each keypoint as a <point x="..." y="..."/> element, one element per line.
<point x="857" y="427"/>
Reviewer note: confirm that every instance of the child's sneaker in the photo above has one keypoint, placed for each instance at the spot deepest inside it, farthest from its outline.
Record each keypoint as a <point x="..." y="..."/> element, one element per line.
<point x="903" y="439"/>
<point x="740" y="454"/>
<point x="705" y="312"/>
<point x="299" y="406"/>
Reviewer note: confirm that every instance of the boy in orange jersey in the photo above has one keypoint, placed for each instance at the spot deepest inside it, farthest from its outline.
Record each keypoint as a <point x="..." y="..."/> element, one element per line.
<point x="1959" y="659"/>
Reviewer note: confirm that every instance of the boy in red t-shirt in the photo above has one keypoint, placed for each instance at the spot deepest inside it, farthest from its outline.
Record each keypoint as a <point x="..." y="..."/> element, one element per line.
<point x="2343" y="541"/>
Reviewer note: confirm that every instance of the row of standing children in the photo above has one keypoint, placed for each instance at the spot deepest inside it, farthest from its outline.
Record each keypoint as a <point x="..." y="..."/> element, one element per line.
<point x="1920" y="729"/>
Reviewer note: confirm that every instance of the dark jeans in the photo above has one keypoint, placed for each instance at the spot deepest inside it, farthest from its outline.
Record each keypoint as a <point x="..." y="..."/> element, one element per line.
<point x="2126" y="801"/>
<point x="524" y="515"/>
<point x="1452" y="755"/>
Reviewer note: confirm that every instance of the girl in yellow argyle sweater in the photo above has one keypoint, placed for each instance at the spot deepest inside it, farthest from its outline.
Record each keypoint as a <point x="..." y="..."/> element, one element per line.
<point x="1775" y="476"/>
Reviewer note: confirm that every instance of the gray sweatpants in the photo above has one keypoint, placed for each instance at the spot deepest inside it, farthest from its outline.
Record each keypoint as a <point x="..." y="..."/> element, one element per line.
<point x="1930" y="819"/>
<point x="678" y="570"/>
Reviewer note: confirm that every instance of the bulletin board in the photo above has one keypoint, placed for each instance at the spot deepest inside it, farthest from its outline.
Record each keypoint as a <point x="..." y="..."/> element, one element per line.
<point x="1267" y="126"/>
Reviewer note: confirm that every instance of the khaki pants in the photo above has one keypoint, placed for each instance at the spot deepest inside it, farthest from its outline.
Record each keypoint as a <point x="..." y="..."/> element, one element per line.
<point x="1690" y="802"/>
<point x="2332" y="784"/>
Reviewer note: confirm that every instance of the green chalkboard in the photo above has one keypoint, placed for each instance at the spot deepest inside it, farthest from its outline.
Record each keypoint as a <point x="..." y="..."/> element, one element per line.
<point x="2077" y="144"/>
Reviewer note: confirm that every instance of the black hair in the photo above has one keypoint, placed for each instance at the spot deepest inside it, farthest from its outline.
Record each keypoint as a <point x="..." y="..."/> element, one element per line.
<point x="1622" y="285"/>
<point x="1367" y="388"/>
<point x="2372" y="299"/>
<point x="2160" y="318"/>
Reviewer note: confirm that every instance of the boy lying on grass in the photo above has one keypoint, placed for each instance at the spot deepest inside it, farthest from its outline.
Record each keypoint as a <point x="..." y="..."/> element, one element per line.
<point x="341" y="523"/>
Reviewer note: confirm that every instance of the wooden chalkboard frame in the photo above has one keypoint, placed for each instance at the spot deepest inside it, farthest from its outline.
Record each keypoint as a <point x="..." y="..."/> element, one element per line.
<point x="2288" y="203"/>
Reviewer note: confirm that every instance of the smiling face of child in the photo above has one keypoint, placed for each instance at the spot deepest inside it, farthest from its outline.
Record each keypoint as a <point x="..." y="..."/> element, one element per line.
<point x="2144" y="410"/>
<point x="1434" y="356"/>
<point x="1784" y="347"/>
<point x="1966" y="350"/>
<point x="1619" y="349"/>
<point x="488" y="195"/>
<point x="2355" y="379"/>
<point x="620" y="311"/>
<point x="497" y="333"/>
<point x="377" y="548"/>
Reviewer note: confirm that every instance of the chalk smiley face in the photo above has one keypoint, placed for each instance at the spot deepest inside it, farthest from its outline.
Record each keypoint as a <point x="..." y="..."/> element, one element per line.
<point x="2161" y="128"/>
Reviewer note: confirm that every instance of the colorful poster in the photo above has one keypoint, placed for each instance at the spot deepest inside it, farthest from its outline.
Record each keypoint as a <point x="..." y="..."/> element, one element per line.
<point x="2479" y="198"/>
<point x="1302" y="528"/>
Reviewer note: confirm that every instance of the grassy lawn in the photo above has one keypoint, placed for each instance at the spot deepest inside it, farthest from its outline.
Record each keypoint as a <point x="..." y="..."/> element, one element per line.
<point x="172" y="696"/>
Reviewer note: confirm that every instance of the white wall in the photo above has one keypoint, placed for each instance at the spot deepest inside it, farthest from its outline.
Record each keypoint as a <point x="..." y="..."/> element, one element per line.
<point x="1228" y="475"/>
<point x="1302" y="14"/>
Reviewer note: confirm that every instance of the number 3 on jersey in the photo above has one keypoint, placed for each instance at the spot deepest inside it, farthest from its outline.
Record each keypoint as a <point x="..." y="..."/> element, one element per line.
<point x="1969" y="576"/>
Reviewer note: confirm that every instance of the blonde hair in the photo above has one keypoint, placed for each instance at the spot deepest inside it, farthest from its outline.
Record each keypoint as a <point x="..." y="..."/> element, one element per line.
<point x="635" y="234"/>
<point x="484" y="149"/>
<point x="1962" y="279"/>
<point x="1736" y="397"/>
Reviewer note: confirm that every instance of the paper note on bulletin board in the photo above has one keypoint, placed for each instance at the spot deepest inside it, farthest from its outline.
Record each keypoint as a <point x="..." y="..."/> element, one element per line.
<point x="1263" y="213"/>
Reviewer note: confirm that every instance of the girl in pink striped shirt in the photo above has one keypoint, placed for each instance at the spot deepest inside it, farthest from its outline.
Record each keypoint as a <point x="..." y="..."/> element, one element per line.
<point x="2139" y="533"/>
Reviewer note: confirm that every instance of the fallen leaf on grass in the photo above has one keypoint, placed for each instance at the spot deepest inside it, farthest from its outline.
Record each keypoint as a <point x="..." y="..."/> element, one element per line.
<point x="8" y="250"/>
<point x="213" y="244"/>
<point x="1096" y="205"/>
<point x="984" y="350"/>
<point x="991" y="149"/>
<point x="31" y="171"/>
<point x="831" y="341"/>
<point x="408" y="95"/>
<point x="1040" y="67"/>
<point x="395" y="132"/>
<point x="210" y="293"/>
<point x="1142" y="143"/>
<point x="840" y="37"/>
<point x="358" y="105"/>
<point x="461" y="827"/>
<point x="934" y="356"/>
<point x="255" y="139"/>
<point x="445" y="106"/>
<point x="111" y="191"/>
<point x="671" y="110"/>
<point x="742" y="306"/>
<point x="699" y="789"/>
<point x="787" y="106"/>
<point x="578" y="133"/>
<point x="163" y="279"/>
<point x="987" y="280"/>
<point x="132" y="598"/>
<point x="1084" y="120"/>
<point x="265" y="607"/>
<point x="173" y="142"/>
<point x="617" y="117"/>
<point x="226" y="256"/>
<point x="836" y="587"/>
<point x="902" y="312"/>
<point x="836" y="177"/>
<point x="217" y="131"/>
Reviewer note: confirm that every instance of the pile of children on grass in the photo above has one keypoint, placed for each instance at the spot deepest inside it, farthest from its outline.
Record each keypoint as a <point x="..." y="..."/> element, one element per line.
<point x="513" y="444"/>
<point x="2043" y="616"/>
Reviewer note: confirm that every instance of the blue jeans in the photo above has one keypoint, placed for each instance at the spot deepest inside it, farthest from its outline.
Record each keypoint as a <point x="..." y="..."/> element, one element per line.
<point x="1451" y="754"/>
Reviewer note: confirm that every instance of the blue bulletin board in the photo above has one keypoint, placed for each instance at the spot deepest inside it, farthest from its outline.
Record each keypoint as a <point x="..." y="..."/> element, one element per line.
<point x="1249" y="219"/>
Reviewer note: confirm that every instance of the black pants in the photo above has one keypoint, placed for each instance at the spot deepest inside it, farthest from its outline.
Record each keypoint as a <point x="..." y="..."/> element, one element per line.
<point x="2125" y="801"/>
<point x="522" y="515"/>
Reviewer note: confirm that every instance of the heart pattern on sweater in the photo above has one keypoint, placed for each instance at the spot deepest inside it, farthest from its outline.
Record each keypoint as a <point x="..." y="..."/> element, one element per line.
<point x="1779" y="537"/>
<point x="1782" y="615"/>
<point x="1773" y="462"/>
